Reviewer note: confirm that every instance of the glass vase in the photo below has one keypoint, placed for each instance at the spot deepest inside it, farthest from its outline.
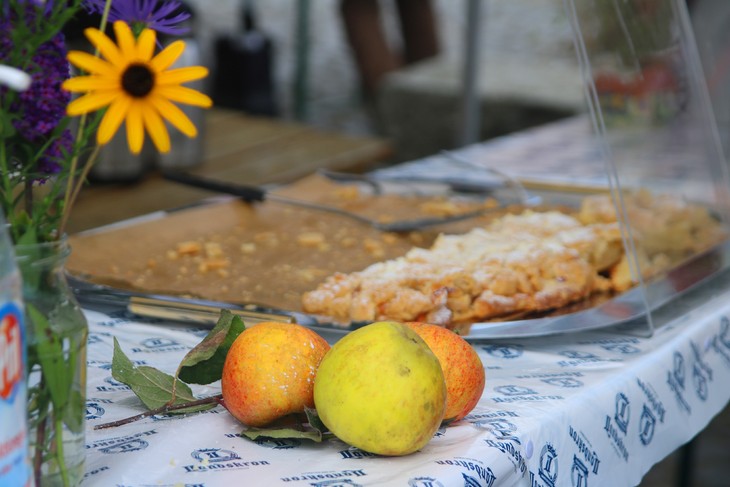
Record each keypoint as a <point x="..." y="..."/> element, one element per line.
<point x="57" y="334"/>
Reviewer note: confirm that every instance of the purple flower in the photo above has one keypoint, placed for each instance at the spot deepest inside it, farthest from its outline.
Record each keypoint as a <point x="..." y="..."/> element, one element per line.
<point x="42" y="106"/>
<point x="52" y="160"/>
<point x="161" y="16"/>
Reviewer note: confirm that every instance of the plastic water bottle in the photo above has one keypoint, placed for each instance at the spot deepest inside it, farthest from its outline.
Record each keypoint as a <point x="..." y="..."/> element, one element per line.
<point x="15" y="470"/>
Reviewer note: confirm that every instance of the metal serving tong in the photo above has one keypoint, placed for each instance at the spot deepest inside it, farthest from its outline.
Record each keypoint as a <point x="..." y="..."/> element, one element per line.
<point x="455" y="182"/>
<point x="173" y="308"/>
<point x="254" y="194"/>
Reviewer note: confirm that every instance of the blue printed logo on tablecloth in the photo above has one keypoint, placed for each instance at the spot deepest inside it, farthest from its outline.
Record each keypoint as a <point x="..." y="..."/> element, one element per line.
<point x="99" y="364"/>
<point x="700" y="383"/>
<point x="96" y="471"/>
<point x="158" y="345"/>
<point x="678" y="369"/>
<point x="623" y="345"/>
<point x="336" y="483"/>
<point x="616" y="429"/>
<point x="355" y="453"/>
<point x="94" y="410"/>
<point x="586" y="451"/>
<point x="159" y="342"/>
<point x="515" y="393"/>
<point x="675" y="381"/>
<point x="214" y="455"/>
<point x="470" y="481"/>
<point x="565" y="382"/>
<point x="216" y="459"/>
<point x="502" y="429"/>
<point x="720" y="343"/>
<point x="581" y="357"/>
<point x="578" y="473"/>
<point x="547" y="475"/>
<point x="623" y="412"/>
<point x="114" y="385"/>
<point x="115" y="318"/>
<point x="579" y="354"/>
<point x="513" y="390"/>
<point x="278" y="443"/>
<point x="123" y="444"/>
<point x="724" y="335"/>
<point x="654" y="403"/>
<point x="424" y="482"/>
<point x="622" y="348"/>
<point x="647" y="424"/>
<point x="506" y="440"/>
<point x="472" y="467"/>
<point x="328" y="478"/>
<point x="504" y="351"/>
<point x="701" y="373"/>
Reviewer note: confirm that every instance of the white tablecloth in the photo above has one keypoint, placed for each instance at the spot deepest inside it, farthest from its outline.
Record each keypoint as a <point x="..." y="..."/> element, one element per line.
<point x="579" y="410"/>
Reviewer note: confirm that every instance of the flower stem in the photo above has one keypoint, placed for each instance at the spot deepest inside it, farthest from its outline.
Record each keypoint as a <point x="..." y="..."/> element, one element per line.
<point x="76" y="189"/>
<point x="28" y="194"/>
<point x="59" y="450"/>
<point x="72" y="185"/>
<point x="162" y="409"/>
<point x="40" y="438"/>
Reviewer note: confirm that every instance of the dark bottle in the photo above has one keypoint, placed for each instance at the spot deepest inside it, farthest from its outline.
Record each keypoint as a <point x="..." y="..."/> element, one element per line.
<point x="244" y="64"/>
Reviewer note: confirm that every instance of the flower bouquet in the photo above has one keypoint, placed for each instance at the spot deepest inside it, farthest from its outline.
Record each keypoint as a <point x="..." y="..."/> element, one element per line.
<point x="51" y="128"/>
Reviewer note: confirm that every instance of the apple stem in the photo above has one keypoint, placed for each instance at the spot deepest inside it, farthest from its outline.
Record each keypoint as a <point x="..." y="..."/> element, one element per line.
<point x="217" y="399"/>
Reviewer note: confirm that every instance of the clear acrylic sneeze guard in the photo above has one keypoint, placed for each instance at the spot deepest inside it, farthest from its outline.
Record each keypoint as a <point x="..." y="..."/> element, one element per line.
<point x="655" y="128"/>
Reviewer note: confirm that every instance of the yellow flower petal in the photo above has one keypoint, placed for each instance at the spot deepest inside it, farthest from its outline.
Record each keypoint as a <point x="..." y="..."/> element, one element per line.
<point x="90" y="63"/>
<point x="174" y="115"/>
<point x="90" y="83"/>
<point x="146" y="45"/>
<point x="167" y="56"/>
<point x="106" y="47"/>
<point x="181" y="75"/>
<point x="113" y="118"/>
<point x="125" y="40"/>
<point x="156" y="128"/>
<point x="141" y="110"/>
<point x="185" y="95"/>
<point x="90" y="102"/>
<point x="135" y="127"/>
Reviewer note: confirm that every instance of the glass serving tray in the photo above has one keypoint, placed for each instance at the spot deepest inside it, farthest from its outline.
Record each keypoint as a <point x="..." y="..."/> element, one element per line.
<point x="624" y="309"/>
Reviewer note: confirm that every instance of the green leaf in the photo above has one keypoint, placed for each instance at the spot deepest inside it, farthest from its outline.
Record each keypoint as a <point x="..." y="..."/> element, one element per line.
<point x="292" y="426"/>
<point x="204" y="363"/>
<point x="56" y="375"/>
<point x="71" y="416"/>
<point x="283" y="433"/>
<point x="152" y="386"/>
<point x="314" y="420"/>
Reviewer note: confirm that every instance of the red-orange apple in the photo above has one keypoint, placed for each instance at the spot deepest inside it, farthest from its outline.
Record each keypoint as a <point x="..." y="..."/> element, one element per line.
<point x="462" y="367"/>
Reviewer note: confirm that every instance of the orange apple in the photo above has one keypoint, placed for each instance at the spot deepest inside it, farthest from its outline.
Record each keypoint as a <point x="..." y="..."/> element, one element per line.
<point x="269" y="372"/>
<point x="462" y="367"/>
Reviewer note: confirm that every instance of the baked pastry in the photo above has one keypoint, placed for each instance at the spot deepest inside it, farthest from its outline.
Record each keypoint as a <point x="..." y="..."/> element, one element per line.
<point x="665" y="230"/>
<point x="519" y="263"/>
<point x="534" y="261"/>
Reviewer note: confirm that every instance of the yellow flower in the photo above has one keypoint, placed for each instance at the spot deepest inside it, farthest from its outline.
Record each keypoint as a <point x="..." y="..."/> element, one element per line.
<point x="137" y="87"/>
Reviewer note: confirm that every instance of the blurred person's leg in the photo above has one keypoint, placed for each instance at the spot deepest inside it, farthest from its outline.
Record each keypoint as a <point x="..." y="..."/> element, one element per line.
<point x="373" y="56"/>
<point x="418" y="27"/>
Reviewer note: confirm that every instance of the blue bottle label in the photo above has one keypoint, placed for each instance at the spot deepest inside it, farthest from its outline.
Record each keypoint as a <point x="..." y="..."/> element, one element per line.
<point x="14" y="461"/>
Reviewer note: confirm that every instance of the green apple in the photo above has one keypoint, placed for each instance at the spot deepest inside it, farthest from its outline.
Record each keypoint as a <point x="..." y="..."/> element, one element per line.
<point x="381" y="389"/>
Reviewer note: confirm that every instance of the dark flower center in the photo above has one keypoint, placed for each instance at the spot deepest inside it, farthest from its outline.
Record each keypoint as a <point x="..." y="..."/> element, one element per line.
<point x="138" y="80"/>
